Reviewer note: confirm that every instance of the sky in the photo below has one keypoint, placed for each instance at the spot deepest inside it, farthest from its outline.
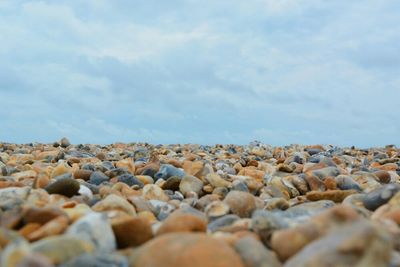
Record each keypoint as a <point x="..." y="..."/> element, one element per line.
<point x="206" y="71"/>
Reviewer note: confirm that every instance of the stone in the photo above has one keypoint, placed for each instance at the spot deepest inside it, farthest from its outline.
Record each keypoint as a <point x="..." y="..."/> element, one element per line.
<point x="221" y="222"/>
<point x="65" y="186"/>
<point x="130" y="231"/>
<point x="383" y="176"/>
<point x="334" y="195"/>
<point x="216" y="181"/>
<point x="34" y="260"/>
<point x="345" y="182"/>
<point x="130" y="180"/>
<point x="41" y="215"/>
<point x="14" y="252"/>
<point x="64" y="142"/>
<point x="98" y="178"/>
<point x="13" y="196"/>
<point x="167" y="170"/>
<point x="189" y="184"/>
<point x="254" y="254"/>
<point x="264" y="223"/>
<point x="152" y="191"/>
<point x="181" y="222"/>
<point x="114" y="202"/>
<point x="380" y="196"/>
<point x="60" y="249"/>
<point x="97" y="260"/>
<point x="241" y="203"/>
<point x="54" y="227"/>
<point x="361" y="244"/>
<point x="94" y="228"/>
<point x="82" y="174"/>
<point x="185" y="249"/>
<point x="172" y="183"/>
<point x="216" y="209"/>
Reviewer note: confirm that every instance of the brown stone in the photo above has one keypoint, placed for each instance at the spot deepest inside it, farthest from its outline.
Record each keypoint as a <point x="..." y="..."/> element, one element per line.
<point x="82" y="174"/>
<point x="241" y="203"/>
<point x="185" y="249"/>
<point x="182" y="222"/>
<point x="41" y="215"/>
<point x="131" y="231"/>
<point x="334" y="195"/>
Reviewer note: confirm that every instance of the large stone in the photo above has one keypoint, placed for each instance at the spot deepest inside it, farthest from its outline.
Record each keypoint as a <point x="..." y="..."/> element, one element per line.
<point x="182" y="222"/>
<point x="130" y="231"/>
<point x="241" y="203"/>
<point x="95" y="228"/>
<point x="64" y="186"/>
<point x="189" y="184"/>
<point x="185" y="249"/>
<point x="360" y="244"/>
<point x="380" y="196"/>
<point x="114" y="202"/>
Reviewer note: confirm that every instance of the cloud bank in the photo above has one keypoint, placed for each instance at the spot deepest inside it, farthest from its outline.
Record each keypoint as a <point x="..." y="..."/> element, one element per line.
<point x="186" y="71"/>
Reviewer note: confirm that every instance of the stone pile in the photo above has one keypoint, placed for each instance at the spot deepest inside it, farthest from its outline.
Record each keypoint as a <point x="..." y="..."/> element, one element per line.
<point x="190" y="205"/>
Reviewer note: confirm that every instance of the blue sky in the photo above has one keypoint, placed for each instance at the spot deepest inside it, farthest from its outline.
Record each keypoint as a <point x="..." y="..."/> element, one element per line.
<point x="186" y="71"/>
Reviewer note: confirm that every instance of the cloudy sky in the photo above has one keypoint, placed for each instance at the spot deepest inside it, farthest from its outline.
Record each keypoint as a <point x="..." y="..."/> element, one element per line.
<point x="192" y="71"/>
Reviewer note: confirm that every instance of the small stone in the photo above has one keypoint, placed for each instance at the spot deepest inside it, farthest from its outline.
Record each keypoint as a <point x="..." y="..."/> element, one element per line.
<point x="54" y="227"/>
<point x="64" y="142"/>
<point x="13" y="196"/>
<point x="97" y="260"/>
<point x="152" y="191"/>
<point x="34" y="260"/>
<point x="60" y="249"/>
<point x="264" y="223"/>
<point x="345" y="182"/>
<point x="172" y="183"/>
<point x="181" y="222"/>
<point x="315" y="183"/>
<point x="114" y="202"/>
<point x="334" y="195"/>
<point x="65" y="186"/>
<point x="41" y="215"/>
<point x="130" y="180"/>
<point x="216" y="181"/>
<point x="131" y="232"/>
<point x="380" y="196"/>
<point x="241" y="203"/>
<point x="95" y="228"/>
<point x="222" y="222"/>
<point x="185" y="249"/>
<point x="383" y="176"/>
<point x="60" y="169"/>
<point x="254" y="254"/>
<point x="216" y="209"/>
<point x="98" y="178"/>
<point x="82" y="174"/>
<point x="189" y="184"/>
<point x="14" y="252"/>
<point x="167" y="170"/>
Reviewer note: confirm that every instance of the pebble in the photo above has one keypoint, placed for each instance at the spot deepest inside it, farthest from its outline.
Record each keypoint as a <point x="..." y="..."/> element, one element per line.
<point x="96" y="229"/>
<point x="130" y="180"/>
<point x="241" y="203"/>
<point x="65" y="186"/>
<point x="167" y="170"/>
<point x="185" y="249"/>
<point x="182" y="222"/>
<point x="114" y="202"/>
<point x="130" y="231"/>
<point x="380" y="196"/>
<point x="189" y="184"/>
<point x="98" y="178"/>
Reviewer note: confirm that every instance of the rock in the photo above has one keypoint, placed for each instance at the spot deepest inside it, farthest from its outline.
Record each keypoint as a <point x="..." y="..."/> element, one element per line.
<point x="65" y="186"/>
<point x="130" y="180"/>
<point x="94" y="228"/>
<point x="131" y="232"/>
<point x="82" y="174"/>
<point x="98" y="178"/>
<point x="60" y="249"/>
<point x="276" y="203"/>
<point x="222" y="222"/>
<point x="303" y="234"/>
<point x="216" y="181"/>
<point x="264" y="223"/>
<point x="254" y="254"/>
<point x="13" y="196"/>
<point x="345" y="182"/>
<point x="189" y="184"/>
<point x="14" y="252"/>
<point x="41" y="215"/>
<point x="383" y="176"/>
<point x="358" y="244"/>
<point x="167" y="170"/>
<point x="97" y="260"/>
<point x="172" y="183"/>
<point x="380" y="196"/>
<point x="334" y="195"/>
<point x="34" y="260"/>
<point x="114" y="202"/>
<point x="216" y="209"/>
<point x="54" y="227"/>
<point x="181" y="222"/>
<point x="64" y="142"/>
<point x="185" y="249"/>
<point x="241" y="203"/>
<point x="152" y="191"/>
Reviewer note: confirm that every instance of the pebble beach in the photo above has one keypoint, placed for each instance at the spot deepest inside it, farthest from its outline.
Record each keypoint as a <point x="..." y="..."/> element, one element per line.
<point x="144" y="205"/>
